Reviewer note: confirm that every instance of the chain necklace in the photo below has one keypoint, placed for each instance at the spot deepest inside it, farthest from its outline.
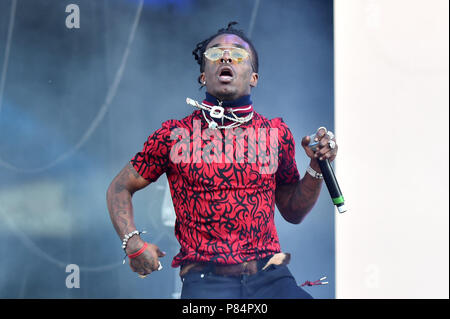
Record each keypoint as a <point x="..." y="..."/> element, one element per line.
<point x="218" y="112"/>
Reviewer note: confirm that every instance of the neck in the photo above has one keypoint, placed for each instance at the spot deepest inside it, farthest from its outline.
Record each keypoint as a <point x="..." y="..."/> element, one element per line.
<point x="244" y="100"/>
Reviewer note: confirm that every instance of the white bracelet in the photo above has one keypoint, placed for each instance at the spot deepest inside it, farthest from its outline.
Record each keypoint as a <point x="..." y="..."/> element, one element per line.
<point x="313" y="173"/>
<point x="128" y="236"/>
<point x="125" y="241"/>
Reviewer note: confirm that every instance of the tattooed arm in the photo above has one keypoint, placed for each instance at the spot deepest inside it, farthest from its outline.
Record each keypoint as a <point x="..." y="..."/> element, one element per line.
<point x="120" y="207"/>
<point x="295" y="201"/>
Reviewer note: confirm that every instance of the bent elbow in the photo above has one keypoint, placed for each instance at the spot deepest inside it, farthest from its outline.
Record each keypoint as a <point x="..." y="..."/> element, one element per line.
<point x="295" y="221"/>
<point x="109" y="190"/>
<point x="292" y="217"/>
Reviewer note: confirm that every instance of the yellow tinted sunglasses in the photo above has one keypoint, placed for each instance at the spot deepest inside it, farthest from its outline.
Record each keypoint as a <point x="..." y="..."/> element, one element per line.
<point x="236" y="54"/>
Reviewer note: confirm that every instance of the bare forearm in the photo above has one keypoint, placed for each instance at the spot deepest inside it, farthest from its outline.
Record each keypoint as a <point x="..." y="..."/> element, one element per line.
<point x="120" y="210"/>
<point x="120" y="206"/>
<point x="296" y="201"/>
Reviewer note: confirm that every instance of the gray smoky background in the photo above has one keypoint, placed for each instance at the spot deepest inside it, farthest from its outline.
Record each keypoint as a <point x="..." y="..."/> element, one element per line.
<point x="76" y="105"/>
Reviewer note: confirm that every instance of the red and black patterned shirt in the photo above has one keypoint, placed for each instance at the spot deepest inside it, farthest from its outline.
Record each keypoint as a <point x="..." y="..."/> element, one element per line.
<point x="224" y="205"/>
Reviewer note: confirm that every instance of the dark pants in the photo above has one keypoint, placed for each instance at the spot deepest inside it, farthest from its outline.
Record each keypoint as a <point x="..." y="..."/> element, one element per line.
<point x="276" y="282"/>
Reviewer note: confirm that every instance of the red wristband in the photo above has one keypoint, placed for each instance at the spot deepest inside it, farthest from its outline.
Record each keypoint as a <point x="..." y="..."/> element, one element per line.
<point x="139" y="252"/>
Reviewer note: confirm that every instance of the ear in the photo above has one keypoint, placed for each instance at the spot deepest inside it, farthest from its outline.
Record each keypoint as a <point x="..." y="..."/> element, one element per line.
<point x="254" y="79"/>
<point x="202" y="78"/>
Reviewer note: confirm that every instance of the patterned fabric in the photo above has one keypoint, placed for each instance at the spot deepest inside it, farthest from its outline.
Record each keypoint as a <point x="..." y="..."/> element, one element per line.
<point x="224" y="204"/>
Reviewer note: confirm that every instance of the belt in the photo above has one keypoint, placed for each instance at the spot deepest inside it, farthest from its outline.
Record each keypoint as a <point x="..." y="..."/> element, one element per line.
<point x="246" y="268"/>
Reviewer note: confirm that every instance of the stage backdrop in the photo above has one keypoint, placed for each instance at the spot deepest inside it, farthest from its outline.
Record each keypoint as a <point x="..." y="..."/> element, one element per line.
<point x="392" y="97"/>
<point x="78" y="98"/>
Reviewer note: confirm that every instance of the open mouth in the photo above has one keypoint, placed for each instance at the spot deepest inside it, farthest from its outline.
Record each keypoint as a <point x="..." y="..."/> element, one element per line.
<point x="226" y="75"/>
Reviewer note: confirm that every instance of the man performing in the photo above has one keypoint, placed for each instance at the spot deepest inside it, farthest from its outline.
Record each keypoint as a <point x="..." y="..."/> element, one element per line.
<point x="227" y="167"/>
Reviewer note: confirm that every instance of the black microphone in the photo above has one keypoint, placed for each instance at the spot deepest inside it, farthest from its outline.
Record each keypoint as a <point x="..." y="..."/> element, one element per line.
<point x="330" y="180"/>
<point x="332" y="185"/>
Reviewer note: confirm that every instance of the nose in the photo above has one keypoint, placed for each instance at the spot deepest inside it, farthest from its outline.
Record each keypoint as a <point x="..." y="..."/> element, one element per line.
<point x="226" y="58"/>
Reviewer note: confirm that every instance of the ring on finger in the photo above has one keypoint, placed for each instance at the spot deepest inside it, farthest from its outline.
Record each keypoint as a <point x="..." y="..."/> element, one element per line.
<point x="323" y="128"/>
<point x="332" y="144"/>
<point x="330" y="135"/>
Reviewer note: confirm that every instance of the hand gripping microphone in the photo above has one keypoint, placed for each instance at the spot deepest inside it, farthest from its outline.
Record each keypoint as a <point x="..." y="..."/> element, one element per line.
<point x="330" y="180"/>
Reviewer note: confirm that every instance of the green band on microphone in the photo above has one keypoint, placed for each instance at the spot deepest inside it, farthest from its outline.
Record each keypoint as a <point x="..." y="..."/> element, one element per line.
<point x="338" y="200"/>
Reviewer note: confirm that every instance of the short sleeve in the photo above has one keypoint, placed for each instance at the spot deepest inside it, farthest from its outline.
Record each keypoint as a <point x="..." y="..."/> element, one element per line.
<point x="287" y="172"/>
<point x="153" y="160"/>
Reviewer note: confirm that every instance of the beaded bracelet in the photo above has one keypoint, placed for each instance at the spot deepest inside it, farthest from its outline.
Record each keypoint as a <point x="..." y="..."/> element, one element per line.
<point x="126" y="238"/>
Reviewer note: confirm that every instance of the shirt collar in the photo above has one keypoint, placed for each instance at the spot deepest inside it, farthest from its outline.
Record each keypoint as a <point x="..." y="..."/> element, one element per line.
<point x="243" y="101"/>
<point x="240" y="107"/>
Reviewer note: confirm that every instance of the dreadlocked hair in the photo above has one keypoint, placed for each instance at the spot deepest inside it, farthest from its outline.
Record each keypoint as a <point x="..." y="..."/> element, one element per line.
<point x="200" y="48"/>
